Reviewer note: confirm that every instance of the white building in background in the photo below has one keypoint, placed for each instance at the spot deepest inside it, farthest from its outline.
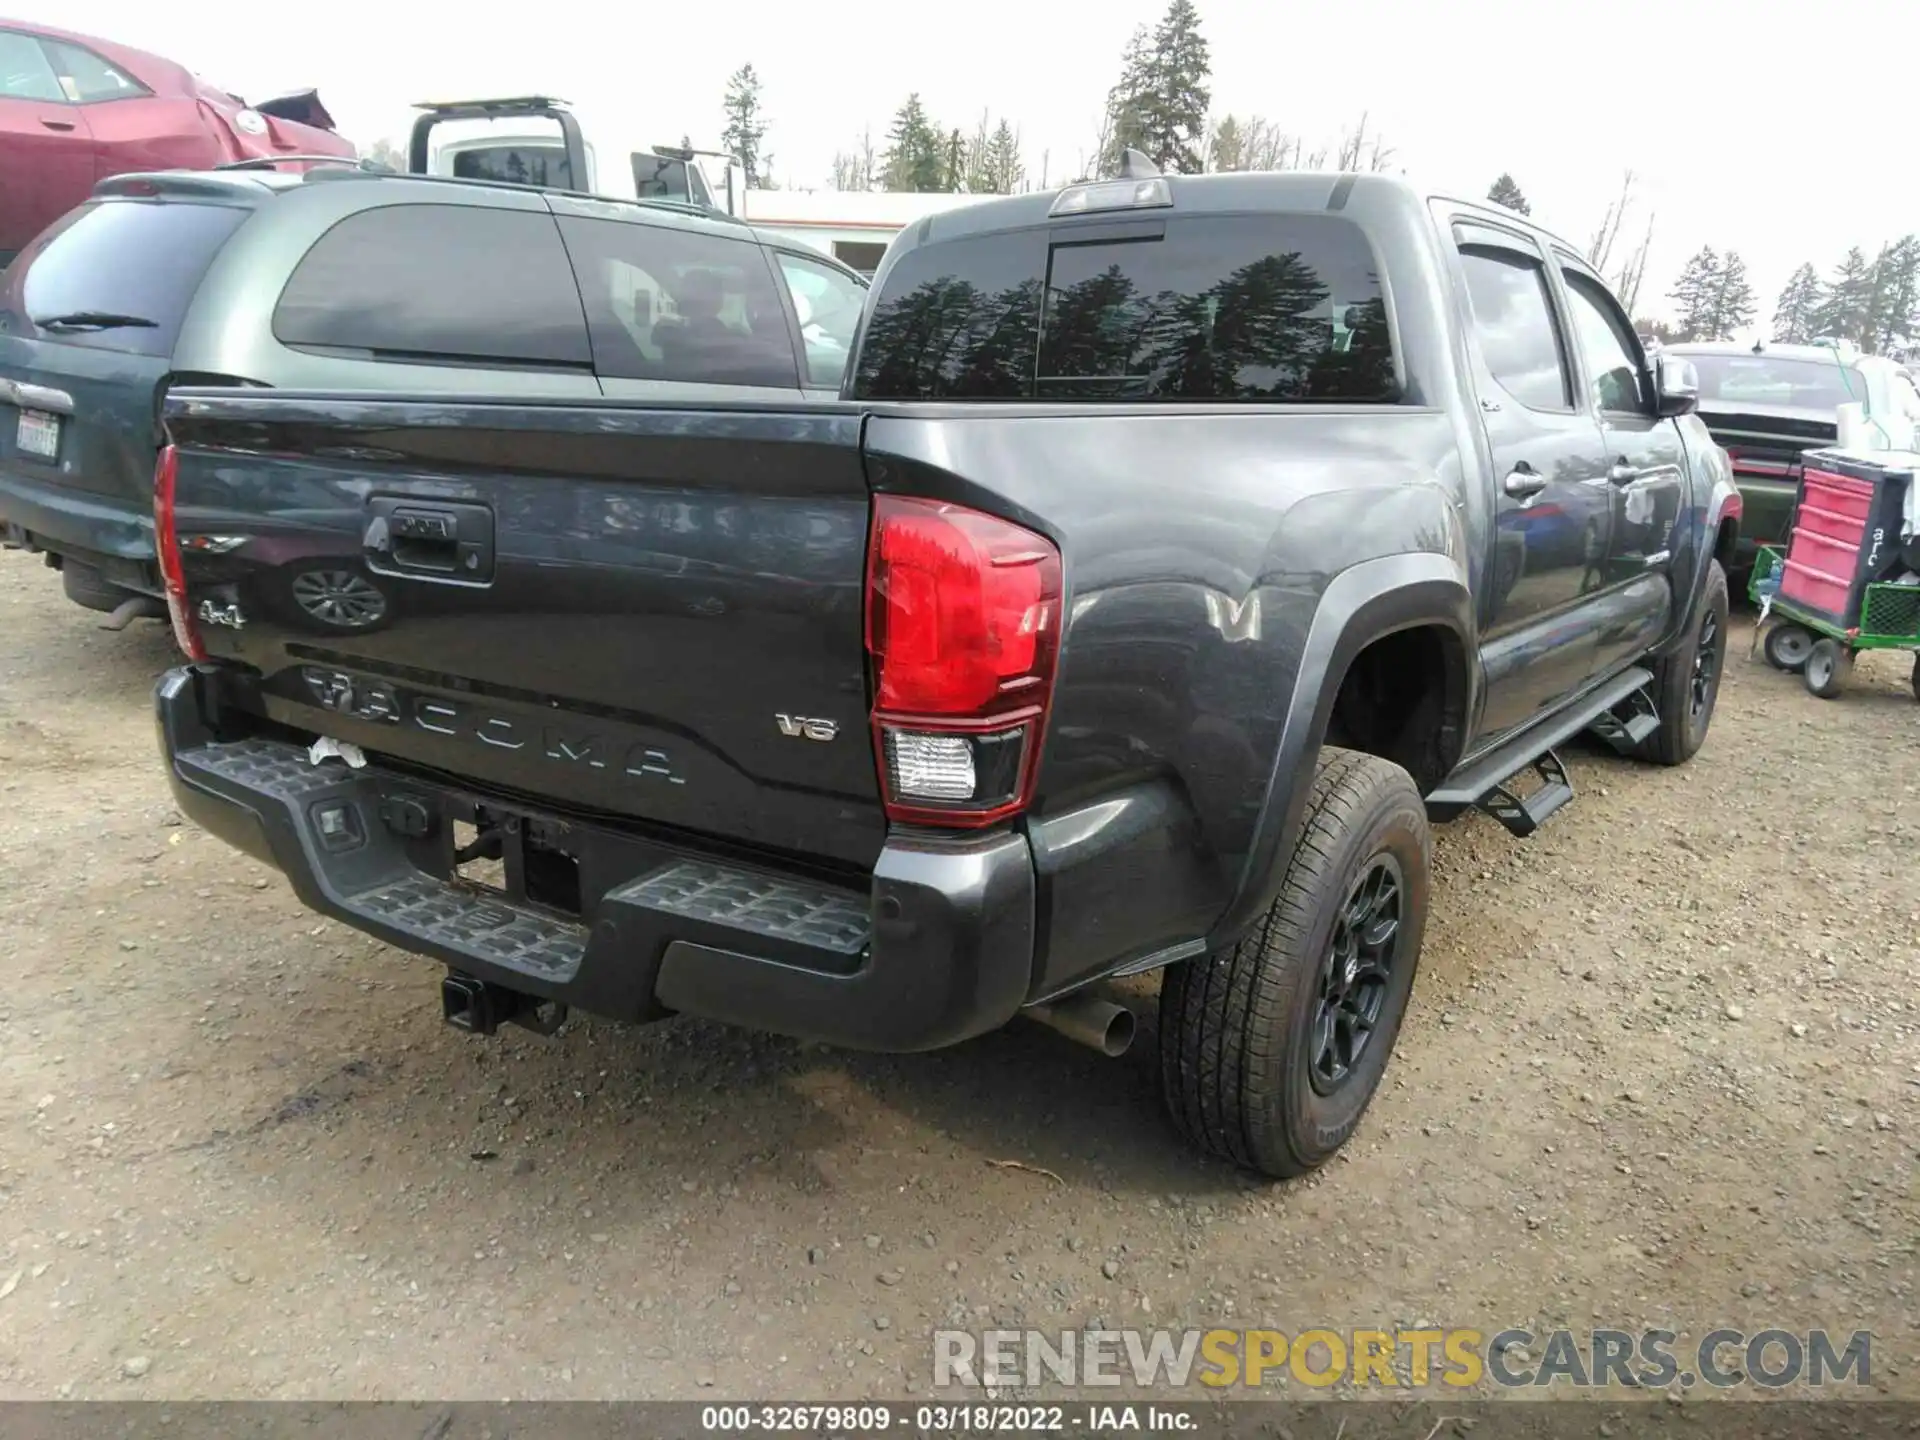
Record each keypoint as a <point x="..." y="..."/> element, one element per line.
<point x="853" y="226"/>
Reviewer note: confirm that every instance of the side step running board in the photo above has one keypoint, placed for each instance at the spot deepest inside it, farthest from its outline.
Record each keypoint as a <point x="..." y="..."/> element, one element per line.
<point x="1524" y="816"/>
<point x="1619" y="708"/>
<point x="1629" y="723"/>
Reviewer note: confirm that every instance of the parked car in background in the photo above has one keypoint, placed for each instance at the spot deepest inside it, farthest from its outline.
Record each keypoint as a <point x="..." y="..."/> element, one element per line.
<point x="1768" y="404"/>
<point x="348" y="279"/>
<point x="74" y="110"/>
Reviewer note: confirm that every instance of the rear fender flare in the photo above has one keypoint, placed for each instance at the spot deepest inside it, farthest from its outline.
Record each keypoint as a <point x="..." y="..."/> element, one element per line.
<point x="1364" y="603"/>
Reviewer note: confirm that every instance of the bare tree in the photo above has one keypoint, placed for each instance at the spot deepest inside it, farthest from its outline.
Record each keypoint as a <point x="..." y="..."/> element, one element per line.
<point x="1600" y="247"/>
<point x="853" y="169"/>
<point x="1633" y="270"/>
<point x="1268" y="147"/>
<point x="1359" y="151"/>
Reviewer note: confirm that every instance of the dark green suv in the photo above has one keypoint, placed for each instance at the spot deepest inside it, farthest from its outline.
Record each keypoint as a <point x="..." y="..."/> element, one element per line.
<point x="349" y="279"/>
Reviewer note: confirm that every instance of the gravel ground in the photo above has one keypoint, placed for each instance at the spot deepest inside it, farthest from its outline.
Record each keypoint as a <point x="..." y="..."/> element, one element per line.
<point x="1662" y="1068"/>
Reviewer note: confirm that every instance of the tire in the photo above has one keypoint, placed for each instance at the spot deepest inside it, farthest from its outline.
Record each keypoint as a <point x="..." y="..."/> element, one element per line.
<point x="1827" y="666"/>
<point x="1686" y="684"/>
<point x="1787" y="646"/>
<point x="85" y="586"/>
<point x="1243" y="1031"/>
<point x="1916" y="677"/>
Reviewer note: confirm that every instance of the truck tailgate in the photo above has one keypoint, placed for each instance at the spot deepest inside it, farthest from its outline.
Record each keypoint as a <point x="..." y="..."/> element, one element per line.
<point x="647" y="613"/>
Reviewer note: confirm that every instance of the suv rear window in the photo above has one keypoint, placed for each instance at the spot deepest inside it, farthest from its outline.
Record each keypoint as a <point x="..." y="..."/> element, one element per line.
<point x="439" y="284"/>
<point x="1271" y="308"/>
<point x="137" y="259"/>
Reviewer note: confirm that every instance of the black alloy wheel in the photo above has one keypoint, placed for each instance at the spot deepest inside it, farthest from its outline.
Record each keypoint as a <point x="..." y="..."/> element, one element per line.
<point x="1355" y="974"/>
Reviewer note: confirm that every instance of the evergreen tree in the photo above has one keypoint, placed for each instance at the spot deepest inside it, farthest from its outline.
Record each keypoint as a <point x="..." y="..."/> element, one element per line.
<point x="1693" y="293"/>
<point x="974" y="181"/>
<point x="1227" y="145"/>
<point x="1125" y="126"/>
<point x="1843" y="309"/>
<point x="745" y="134"/>
<point x="1506" y="192"/>
<point x="1002" y="170"/>
<point x="1160" y="104"/>
<point x="1890" y="310"/>
<point x="1799" y="303"/>
<point x="916" y="157"/>
<point x="1732" y="307"/>
<point x="953" y="170"/>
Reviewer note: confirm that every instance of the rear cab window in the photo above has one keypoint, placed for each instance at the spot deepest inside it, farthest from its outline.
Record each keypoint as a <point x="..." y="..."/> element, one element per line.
<point x="1280" y="308"/>
<point x="118" y="274"/>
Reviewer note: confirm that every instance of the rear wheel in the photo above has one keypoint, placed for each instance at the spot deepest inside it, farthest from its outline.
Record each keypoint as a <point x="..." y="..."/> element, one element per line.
<point x="1787" y="647"/>
<point x="1271" y="1050"/>
<point x="1686" y="684"/>
<point x="1916" y="677"/>
<point x="1827" y="665"/>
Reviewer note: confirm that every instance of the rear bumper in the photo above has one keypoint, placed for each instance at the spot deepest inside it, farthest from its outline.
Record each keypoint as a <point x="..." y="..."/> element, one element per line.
<point x="936" y="948"/>
<point x="113" y="535"/>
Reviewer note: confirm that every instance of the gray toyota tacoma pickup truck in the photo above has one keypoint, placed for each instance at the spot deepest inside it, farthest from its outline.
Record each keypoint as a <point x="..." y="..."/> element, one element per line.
<point x="1176" y="549"/>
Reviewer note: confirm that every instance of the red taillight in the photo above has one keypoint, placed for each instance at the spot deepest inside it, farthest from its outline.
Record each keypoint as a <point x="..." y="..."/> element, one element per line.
<point x="963" y="624"/>
<point x="166" y="544"/>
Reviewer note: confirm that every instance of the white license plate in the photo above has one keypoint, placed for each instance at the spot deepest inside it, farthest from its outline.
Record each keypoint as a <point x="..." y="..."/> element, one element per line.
<point x="38" y="434"/>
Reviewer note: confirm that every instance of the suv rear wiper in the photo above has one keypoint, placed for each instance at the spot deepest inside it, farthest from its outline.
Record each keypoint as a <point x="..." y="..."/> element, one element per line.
<point x="94" y="320"/>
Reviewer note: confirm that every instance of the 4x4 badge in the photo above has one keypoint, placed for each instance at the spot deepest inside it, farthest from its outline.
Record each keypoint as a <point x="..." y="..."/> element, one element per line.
<point x="227" y="615"/>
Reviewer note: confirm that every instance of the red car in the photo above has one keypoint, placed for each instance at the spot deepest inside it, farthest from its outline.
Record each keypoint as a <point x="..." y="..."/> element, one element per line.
<point x="74" y="110"/>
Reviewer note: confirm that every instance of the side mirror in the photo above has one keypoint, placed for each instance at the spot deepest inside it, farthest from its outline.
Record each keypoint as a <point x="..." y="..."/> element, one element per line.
<point x="1677" y="384"/>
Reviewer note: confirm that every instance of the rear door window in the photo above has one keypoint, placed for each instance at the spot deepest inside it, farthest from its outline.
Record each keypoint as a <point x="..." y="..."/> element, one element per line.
<point x="672" y="304"/>
<point x="1514" y="323"/>
<point x="827" y="302"/>
<point x="438" y="284"/>
<point x="87" y="79"/>
<point x="25" y="73"/>
<point x="119" y="274"/>
<point x="1280" y="308"/>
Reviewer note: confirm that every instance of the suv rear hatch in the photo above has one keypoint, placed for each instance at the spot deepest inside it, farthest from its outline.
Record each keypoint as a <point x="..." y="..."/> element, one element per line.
<point x="89" y="313"/>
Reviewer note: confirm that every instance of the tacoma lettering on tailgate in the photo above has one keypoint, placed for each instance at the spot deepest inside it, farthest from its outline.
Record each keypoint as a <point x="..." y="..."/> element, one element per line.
<point x="376" y="700"/>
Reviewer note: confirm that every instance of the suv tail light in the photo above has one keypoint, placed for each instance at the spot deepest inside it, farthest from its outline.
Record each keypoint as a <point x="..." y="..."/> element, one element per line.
<point x="963" y="624"/>
<point x="166" y="544"/>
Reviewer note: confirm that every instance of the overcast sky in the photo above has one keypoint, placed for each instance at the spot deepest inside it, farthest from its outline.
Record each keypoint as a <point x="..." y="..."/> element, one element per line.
<point x="1769" y="129"/>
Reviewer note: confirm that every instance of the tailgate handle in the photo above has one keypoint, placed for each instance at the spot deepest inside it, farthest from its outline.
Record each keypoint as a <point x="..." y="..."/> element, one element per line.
<point x="433" y="541"/>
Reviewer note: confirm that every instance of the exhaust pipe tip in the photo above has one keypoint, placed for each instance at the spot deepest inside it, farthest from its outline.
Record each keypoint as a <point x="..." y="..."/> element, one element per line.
<point x="1098" y="1024"/>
